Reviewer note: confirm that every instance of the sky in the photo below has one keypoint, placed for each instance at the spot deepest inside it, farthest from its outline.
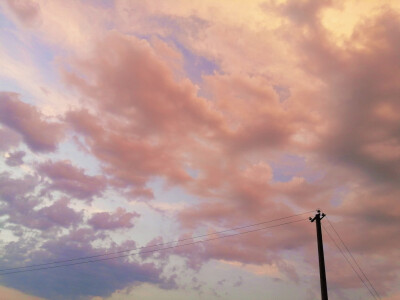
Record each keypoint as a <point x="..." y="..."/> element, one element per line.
<point x="128" y="124"/>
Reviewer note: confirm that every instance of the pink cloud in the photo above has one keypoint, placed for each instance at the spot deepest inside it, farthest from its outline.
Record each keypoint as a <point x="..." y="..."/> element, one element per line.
<point x="355" y="141"/>
<point x="153" y="125"/>
<point x="60" y="214"/>
<point x="124" y="84"/>
<point x="12" y="190"/>
<point x="131" y="161"/>
<point x="360" y="86"/>
<point x="111" y="221"/>
<point x="136" y="137"/>
<point x="253" y="113"/>
<point x="8" y="139"/>
<point x="150" y="250"/>
<point x="26" y="12"/>
<point x="305" y="13"/>
<point x="38" y="134"/>
<point x="144" y="121"/>
<point x="72" y="180"/>
<point x="57" y="214"/>
<point x="19" y="201"/>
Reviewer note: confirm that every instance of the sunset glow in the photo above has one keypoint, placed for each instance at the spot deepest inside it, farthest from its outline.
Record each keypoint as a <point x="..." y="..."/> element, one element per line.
<point x="127" y="124"/>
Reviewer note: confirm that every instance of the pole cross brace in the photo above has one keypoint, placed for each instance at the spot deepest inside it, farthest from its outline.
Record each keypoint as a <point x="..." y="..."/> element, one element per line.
<point x="319" y="215"/>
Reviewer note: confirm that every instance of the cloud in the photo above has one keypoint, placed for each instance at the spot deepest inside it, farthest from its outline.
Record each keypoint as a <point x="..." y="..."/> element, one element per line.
<point x="366" y="94"/>
<point x="57" y="214"/>
<point x="11" y="190"/>
<point x="47" y="230"/>
<point x="20" y="203"/>
<point x="258" y="248"/>
<point x="38" y="134"/>
<point x="239" y="282"/>
<point x="15" y="158"/>
<point x="253" y="112"/>
<point x="145" y="132"/>
<point x="137" y="135"/>
<point x="63" y="26"/>
<point x="72" y="180"/>
<point x="282" y="85"/>
<point x="110" y="221"/>
<point x="304" y="12"/>
<point x="150" y="250"/>
<point x="11" y="294"/>
<point x="95" y="279"/>
<point x="357" y="153"/>
<point x="27" y="12"/>
<point x="8" y="139"/>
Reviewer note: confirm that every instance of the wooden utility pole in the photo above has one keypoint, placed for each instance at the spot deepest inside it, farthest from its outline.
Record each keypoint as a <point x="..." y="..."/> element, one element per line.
<point x="317" y="218"/>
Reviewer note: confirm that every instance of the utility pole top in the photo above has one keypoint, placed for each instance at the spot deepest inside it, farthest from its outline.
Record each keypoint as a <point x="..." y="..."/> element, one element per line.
<point x="324" y="289"/>
<point x="318" y="215"/>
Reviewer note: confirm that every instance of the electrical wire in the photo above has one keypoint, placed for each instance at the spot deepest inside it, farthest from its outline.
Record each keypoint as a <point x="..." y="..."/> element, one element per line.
<point x="150" y="246"/>
<point x="150" y="251"/>
<point x="351" y="255"/>
<point x="348" y="261"/>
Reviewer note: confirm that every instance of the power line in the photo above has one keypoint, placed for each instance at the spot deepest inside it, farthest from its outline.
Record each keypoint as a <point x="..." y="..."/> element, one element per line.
<point x="150" y="246"/>
<point x="341" y="251"/>
<point x="150" y="251"/>
<point x="351" y="255"/>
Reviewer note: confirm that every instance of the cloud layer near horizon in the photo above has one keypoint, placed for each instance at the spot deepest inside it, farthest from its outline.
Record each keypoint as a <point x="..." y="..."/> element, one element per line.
<point x="265" y="112"/>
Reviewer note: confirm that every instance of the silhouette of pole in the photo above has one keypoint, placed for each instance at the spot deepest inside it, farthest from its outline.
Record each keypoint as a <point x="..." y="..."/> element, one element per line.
<point x="324" y="290"/>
